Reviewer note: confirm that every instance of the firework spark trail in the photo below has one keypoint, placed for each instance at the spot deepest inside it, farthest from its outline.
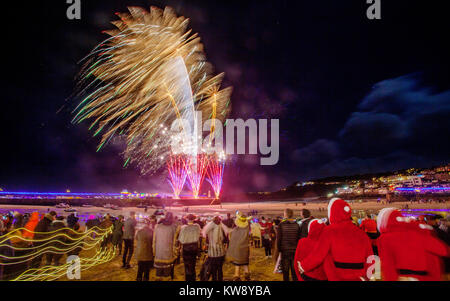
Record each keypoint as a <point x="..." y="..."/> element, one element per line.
<point x="151" y="71"/>
<point x="216" y="167"/>
<point x="196" y="167"/>
<point x="177" y="174"/>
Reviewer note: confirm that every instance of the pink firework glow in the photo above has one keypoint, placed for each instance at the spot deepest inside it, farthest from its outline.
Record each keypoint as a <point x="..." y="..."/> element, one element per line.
<point x="196" y="167"/>
<point x="177" y="173"/>
<point x="216" y="168"/>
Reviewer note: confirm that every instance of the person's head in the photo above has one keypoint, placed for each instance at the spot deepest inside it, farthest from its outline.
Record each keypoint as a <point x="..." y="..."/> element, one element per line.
<point x="121" y="217"/>
<point x="169" y="217"/>
<point x="52" y="215"/>
<point x="432" y="220"/>
<point x="288" y="213"/>
<point x="147" y="222"/>
<point x="368" y="216"/>
<point x="217" y="220"/>
<point x="241" y="220"/>
<point x="228" y="215"/>
<point x="306" y="213"/>
<point x="262" y="218"/>
<point x="153" y="220"/>
<point x="339" y="211"/>
<point x="191" y="218"/>
<point x="132" y="214"/>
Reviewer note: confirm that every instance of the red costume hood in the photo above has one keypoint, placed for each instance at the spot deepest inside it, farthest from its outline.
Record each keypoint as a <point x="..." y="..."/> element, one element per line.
<point x="315" y="228"/>
<point x="339" y="211"/>
<point x="391" y="219"/>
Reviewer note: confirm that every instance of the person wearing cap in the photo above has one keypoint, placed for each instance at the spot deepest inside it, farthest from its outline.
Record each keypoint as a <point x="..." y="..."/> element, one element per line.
<point x="305" y="246"/>
<point x="144" y="251"/>
<point x="129" y="230"/>
<point x="189" y="238"/>
<point x="343" y="248"/>
<point x="239" y="246"/>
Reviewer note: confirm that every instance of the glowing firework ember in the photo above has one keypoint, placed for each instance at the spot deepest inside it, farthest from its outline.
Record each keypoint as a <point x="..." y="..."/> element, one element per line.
<point x="149" y="73"/>
<point x="196" y="167"/>
<point x="177" y="174"/>
<point x="216" y="168"/>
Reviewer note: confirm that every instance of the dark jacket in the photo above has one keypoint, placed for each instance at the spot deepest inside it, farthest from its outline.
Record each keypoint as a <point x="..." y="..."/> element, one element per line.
<point x="304" y="226"/>
<point x="42" y="227"/>
<point x="44" y="224"/>
<point x="117" y="232"/>
<point x="72" y="220"/>
<point x="92" y="223"/>
<point x="55" y="226"/>
<point x="288" y="234"/>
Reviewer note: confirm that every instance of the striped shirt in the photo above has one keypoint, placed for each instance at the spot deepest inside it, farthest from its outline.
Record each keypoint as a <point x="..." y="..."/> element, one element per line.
<point x="215" y="235"/>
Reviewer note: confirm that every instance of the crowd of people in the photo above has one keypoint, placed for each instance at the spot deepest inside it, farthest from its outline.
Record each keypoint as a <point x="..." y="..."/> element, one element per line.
<point x="27" y="241"/>
<point x="340" y="247"/>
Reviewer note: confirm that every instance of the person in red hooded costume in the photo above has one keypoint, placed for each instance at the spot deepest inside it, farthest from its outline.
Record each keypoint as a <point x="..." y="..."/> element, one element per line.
<point x="305" y="247"/>
<point x="407" y="251"/>
<point x="343" y="248"/>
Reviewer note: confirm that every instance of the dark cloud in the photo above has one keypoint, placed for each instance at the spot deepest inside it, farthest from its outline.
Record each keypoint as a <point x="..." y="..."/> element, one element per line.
<point x="400" y="123"/>
<point x="368" y="133"/>
<point x="319" y="152"/>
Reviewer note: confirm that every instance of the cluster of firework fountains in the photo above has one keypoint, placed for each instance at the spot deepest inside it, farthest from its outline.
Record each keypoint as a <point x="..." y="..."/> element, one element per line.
<point x="194" y="170"/>
<point x="150" y="73"/>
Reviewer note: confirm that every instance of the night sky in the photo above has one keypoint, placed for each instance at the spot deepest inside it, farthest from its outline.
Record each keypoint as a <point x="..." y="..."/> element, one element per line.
<point x="352" y="95"/>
